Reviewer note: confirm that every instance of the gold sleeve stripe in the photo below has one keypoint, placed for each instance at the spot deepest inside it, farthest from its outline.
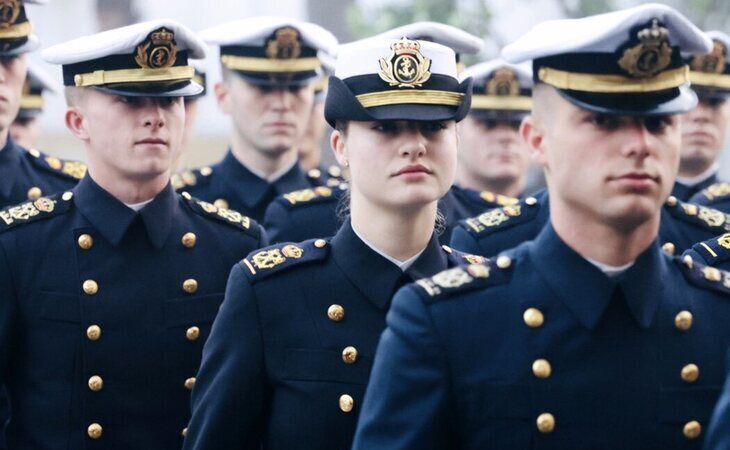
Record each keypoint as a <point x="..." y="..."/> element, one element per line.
<point x="509" y="102"/>
<point x="709" y="250"/>
<point x="250" y="267"/>
<point x="101" y="77"/>
<point x="421" y="97"/>
<point x="250" y="64"/>
<point x="601" y="83"/>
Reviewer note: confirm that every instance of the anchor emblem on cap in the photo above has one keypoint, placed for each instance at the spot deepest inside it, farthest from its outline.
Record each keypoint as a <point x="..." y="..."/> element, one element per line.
<point x="9" y="12"/>
<point x="503" y="82"/>
<point x="286" y="44"/>
<point x="406" y="66"/>
<point x="158" y="51"/>
<point x="652" y="55"/>
<point x="713" y="62"/>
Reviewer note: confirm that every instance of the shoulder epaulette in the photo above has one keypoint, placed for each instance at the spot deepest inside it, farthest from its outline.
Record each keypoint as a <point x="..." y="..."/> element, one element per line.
<point x="461" y="258"/>
<point x="70" y="169"/>
<point x="705" y="217"/>
<point x="35" y="210"/>
<point x="490" y="198"/>
<point x="713" y="251"/>
<point x="332" y="176"/>
<point x="503" y="217"/>
<point x="310" y="196"/>
<point x="712" y="193"/>
<point x="462" y="279"/>
<point x="277" y="258"/>
<point x="704" y="276"/>
<point x="225" y="215"/>
<point x="188" y="178"/>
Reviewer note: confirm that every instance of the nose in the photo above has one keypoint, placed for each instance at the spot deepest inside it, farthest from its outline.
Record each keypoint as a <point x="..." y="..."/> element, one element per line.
<point x="639" y="142"/>
<point x="281" y="99"/>
<point x="154" y="115"/>
<point x="413" y="144"/>
<point x="700" y="114"/>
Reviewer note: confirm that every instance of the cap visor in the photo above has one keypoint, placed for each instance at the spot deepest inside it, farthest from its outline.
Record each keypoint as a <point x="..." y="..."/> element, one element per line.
<point x="30" y="45"/>
<point x="277" y="80"/>
<point x="152" y="90"/>
<point x="671" y="101"/>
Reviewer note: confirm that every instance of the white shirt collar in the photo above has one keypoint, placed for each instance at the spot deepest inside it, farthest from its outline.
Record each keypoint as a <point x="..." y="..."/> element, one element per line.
<point x="402" y="265"/>
<point x="274" y="176"/>
<point x="137" y="206"/>
<point x="697" y="179"/>
<point x="610" y="271"/>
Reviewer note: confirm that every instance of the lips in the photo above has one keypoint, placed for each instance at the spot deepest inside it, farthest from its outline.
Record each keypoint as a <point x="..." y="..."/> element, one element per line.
<point x="152" y="141"/>
<point x="412" y="169"/>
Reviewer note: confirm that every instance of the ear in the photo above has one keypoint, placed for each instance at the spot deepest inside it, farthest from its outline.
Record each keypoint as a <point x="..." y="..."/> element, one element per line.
<point x="76" y="123"/>
<point x="532" y="131"/>
<point x="223" y="96"/>
<point x="337" y="142"/>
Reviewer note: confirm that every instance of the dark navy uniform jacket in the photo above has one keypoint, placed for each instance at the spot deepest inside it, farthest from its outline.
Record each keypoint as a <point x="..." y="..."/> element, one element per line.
<point x="718" y="433"/>
<point x="312" y="213"/>
<point x="685" y="193"/>
<point x="290" y="352"/>
<point x="499" y="229"/>
<point x="541" y="350"/>
<point x="715" y="196"/>
<point x="229" y="184"/>
<point x="29" y="174"/>
<point x="713" y="252"/>
<point x="104" y="312"/>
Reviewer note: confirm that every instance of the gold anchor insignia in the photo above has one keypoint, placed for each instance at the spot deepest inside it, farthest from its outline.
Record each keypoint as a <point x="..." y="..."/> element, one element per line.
<point x="233" y="216"/>
<point x="503" y="82"/>
<point x="27" y="210"/>
<point x="208" y="207"/>
<point x="718" y="190"/>
<point x="268" y="258"/>
<point x="406" y="66"/>
<point x="474" y="259"/>
<point x="9" y="12"/>
<point x="292" y="251"/>
<point x="652" y="55"/>
<point x="712" y="217"/>
<point x="724" y="240"/>
<point x="286" y="44"/>
<point x="158" y="51"/>
<point x="713" y="62"/>
<point x="451" y="278"/>
<point x="75" y="169"/>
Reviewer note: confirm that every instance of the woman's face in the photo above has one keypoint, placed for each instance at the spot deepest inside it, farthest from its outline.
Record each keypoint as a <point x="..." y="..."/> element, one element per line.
<point x="398" y="164"/>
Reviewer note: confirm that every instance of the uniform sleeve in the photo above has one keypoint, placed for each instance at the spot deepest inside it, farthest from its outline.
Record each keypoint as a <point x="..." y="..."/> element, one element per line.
<point x="464" y="241"/>
<point x="228" y="400"/>
<point x="8" y="314"/>
<point x="408" y="403"/>
<point x="718" y="433"/>
<point x="277" y="222"/>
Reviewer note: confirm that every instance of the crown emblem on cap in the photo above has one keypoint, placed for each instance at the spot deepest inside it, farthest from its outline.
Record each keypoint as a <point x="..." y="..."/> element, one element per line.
<point x="713" y="62"/>
<point x="652" y="55"/>
<point x="9" y="12"/>
<point x="285" y="44"/>
<point x="406" y="66"/>
<point x="158" y="51"/>
<point x="503" y="82"/>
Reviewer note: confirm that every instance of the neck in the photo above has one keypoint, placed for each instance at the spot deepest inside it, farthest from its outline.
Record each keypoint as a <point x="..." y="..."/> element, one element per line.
<point x="690" y="176"/>
<point x="125" y="190"/>
<point x="261" y="161"/>
<point x="4" y="138"/>
<point x="400" y="234"/>
<point x="605" y="243"/>
<point x="511" y="187"/>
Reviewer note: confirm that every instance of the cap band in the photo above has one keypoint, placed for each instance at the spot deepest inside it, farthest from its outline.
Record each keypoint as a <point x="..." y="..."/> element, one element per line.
<point x="717" y="80"/>
<point x="102" y="77"/>
<point x="19" y="30"/>
<point x="31" y="102"/>
<point x="601" y="83"/>
<point x="499" y="102"/>
<point x="421" y="97"/>
<point x="250" y="64"/>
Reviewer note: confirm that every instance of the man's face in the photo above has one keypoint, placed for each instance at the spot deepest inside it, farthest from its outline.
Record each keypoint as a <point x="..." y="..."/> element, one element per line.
<point x="136" y="138"/>
<point x="12" y="78"/>
<point x="492" y="151"/>
<point x="703" y="136"/>
<point x="269" y="120"/>
<point x="26" y="132"/>
<point x="616" y="170"/>
<point x="309" y="146"/>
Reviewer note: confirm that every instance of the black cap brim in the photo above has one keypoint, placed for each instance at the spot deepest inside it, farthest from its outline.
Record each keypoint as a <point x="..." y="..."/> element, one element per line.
<point x="278" y="80"/>
<point x="671" y="101"/>
<point x="711" y="95"/>
<point x="499" y="115"/>
<point x="185" y="89"/>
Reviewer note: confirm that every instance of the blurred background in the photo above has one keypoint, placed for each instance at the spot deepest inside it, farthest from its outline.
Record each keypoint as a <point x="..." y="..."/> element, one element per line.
<point x="498" y="21"/>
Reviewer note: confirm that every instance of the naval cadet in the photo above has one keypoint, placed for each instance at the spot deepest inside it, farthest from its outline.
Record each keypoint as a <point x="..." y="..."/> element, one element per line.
<point x="288" y="360"/>
<point x="310" y="213"/>
<point x="268" y="66"/>
<point x="108" y="290"/>
<point x="589" y="336"/>
<point x="492" y="155"/>
<point x="704" y="128"/>
<point x="26" y="128"/>
<point x="25" y="173"/>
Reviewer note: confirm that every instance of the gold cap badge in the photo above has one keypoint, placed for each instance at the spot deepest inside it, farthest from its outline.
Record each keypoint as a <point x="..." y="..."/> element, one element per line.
<point x="713" y="62"/>
<point x="158" y="51"/>
<point x="406" y="66"/>
<point x="503" y="82"/>
<point x="9" y="12"/>
<point x="286" y="44"/>
<point x="652" y="55"/>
